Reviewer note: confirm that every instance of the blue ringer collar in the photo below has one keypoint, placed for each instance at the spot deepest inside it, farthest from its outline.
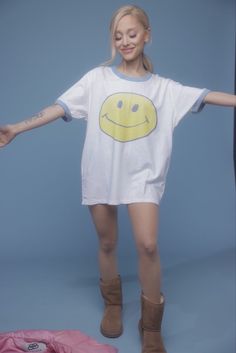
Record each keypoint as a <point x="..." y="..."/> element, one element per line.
<point x="131" y="78"/>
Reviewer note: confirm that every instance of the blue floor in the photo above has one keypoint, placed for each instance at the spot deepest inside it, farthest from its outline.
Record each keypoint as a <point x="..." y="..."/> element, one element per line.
<point x="200" y="302"/>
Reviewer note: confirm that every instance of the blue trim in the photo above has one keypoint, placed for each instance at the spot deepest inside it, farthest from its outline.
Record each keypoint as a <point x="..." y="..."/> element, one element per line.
<point x="131" y="78"/>
<point x="67" y="117"/>
<point x="199" y="104"/>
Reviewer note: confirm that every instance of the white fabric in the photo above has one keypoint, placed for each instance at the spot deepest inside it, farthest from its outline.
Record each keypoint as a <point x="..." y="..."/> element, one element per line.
<point x="130" y="125"/>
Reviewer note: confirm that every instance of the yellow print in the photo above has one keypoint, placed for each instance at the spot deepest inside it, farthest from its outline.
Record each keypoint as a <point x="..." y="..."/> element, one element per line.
<point x="127" y="116"/>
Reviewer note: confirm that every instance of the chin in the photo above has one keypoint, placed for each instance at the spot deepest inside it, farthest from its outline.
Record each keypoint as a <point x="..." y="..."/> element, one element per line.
<point x="125" y="58"/>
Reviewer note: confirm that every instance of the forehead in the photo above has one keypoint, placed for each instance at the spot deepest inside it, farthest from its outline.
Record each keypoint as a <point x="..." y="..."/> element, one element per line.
<point x="128" y="22"/>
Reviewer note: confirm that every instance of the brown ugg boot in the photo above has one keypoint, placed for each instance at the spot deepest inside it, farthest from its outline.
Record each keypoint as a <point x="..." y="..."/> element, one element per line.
<point x="111" y="324"/>
<point x="150" y="326"/>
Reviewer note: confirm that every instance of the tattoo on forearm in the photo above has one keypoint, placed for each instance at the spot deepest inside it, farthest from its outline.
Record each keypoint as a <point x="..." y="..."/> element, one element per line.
<point x="35" y="117"/>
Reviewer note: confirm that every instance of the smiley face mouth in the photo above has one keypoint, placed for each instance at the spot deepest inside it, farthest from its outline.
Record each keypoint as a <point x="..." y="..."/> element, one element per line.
<point x="146" y="121"/>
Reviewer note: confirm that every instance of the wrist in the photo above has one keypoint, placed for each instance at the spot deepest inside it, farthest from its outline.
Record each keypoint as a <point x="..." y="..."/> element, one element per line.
<point x="16" y="128"/>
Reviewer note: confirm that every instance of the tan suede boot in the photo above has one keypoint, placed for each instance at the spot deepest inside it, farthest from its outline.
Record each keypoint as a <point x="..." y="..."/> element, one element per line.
<point x="150" y="326"/>
<point x="111" y="324"/>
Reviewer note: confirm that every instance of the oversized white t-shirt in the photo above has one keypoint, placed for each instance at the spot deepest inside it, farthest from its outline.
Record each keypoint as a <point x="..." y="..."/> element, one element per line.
<point x="130" y="124"/>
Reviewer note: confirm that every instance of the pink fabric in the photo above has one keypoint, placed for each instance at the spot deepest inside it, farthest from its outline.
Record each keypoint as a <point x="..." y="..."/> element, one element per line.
<point x="69" y="341"/>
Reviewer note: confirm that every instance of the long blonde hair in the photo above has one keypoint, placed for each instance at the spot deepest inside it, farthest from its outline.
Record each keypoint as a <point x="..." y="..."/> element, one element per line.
<point x="142" y="18"/>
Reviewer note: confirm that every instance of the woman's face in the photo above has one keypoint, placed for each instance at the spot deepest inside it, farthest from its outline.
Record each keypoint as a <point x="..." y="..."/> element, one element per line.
<point x="130" y="37"/>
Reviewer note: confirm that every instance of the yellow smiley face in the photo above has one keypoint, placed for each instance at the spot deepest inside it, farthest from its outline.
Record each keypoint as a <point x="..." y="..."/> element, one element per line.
<point x="127" y="116"/>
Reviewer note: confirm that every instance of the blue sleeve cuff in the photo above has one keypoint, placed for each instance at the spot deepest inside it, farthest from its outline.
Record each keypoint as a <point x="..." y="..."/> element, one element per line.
<point x="67" y="117"/>
<point x="199" y="104"/>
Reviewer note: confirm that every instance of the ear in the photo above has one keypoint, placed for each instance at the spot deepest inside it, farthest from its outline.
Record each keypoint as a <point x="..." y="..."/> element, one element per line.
<point x="147" y="35"/>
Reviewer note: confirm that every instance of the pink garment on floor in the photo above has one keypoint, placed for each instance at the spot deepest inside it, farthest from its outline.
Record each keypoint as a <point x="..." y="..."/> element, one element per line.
<point x="68" y="341"/>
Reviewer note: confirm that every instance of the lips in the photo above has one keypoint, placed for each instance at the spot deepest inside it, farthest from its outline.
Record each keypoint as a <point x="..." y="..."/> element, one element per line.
<point x="127" y="50"/>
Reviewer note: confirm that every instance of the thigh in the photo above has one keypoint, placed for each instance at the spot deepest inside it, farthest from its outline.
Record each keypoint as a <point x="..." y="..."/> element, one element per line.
<point x="145" y="220"/>
<point x="105" y="220"/>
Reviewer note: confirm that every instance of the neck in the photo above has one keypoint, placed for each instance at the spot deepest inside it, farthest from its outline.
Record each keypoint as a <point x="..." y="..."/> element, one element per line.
<point x="132" y="68"/>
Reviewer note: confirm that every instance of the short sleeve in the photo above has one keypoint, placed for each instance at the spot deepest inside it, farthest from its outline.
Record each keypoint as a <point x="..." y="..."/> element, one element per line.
<point x="74" y="101"/>
<point x="185" y="99"/>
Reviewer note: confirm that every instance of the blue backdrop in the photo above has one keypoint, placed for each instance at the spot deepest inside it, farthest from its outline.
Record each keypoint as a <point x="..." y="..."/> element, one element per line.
<point x="48" y="45"/>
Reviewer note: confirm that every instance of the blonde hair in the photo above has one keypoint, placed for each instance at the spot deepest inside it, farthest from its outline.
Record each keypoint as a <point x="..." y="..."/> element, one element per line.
<point x="142" y="17"/>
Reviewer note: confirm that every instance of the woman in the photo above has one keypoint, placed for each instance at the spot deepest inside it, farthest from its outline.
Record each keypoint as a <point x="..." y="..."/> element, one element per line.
<point x="131" y="114"/>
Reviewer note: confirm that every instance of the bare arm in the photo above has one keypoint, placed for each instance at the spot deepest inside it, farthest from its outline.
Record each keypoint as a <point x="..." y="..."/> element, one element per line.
<point x="220" y="98"/>
<point x="47" y="115"/>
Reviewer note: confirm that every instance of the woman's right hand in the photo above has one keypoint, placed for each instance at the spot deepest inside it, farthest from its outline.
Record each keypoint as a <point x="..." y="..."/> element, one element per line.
<point x="7" y="134"/>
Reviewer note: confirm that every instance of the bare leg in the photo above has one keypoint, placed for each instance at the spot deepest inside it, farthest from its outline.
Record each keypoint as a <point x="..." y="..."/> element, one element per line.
<point x="105" y="221"/>
<point x="145" y="218"/>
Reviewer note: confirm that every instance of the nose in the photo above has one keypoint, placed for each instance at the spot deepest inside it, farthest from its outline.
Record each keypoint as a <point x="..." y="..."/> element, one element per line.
<point x="125" y="41"/>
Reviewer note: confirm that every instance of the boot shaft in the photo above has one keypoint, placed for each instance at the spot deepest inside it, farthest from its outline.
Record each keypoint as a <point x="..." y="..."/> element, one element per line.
<point x="111" y="291"/>
<point x="150" y="326"/>
<point x="152" y="314"/>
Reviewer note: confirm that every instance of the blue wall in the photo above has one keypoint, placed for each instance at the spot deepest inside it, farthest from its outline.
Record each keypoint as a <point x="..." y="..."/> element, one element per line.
<point x="45" y="47"/>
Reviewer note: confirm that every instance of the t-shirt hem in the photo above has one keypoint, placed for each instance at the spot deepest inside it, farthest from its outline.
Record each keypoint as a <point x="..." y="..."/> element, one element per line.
<point x="120" y="202"/>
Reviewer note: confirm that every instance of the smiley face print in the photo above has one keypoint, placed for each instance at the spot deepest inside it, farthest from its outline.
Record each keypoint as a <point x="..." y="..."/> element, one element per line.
<point x="127" y="116"/>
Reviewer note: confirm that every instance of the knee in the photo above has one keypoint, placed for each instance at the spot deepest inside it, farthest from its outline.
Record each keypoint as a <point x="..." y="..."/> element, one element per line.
<point x="148" y="249"/>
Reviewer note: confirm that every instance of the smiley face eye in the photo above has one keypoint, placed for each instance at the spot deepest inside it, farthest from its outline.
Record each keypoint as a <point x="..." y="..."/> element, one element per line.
<point x="135" y="108"/>
<point x="119" y="104"/>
